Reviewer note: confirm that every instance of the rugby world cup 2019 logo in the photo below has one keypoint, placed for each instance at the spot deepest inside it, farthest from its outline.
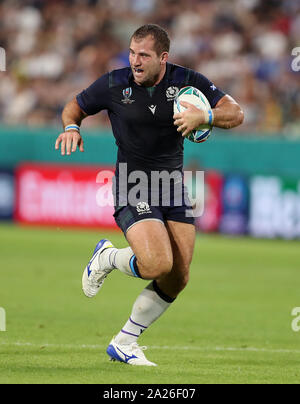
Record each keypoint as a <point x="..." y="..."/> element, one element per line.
<point x="127" y="93"/>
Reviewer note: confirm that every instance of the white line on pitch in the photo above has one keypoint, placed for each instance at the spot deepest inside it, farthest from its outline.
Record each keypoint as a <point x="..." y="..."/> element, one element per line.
<point x="163" y="347"/>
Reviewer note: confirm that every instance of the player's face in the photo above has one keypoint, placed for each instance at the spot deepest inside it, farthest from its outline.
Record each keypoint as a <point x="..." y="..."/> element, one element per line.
<point x="148" y="68"/>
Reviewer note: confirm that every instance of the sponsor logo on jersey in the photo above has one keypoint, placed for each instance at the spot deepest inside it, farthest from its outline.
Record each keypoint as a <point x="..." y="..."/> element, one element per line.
<point x="152" y="108"/>
<point x="171" y="93"/>
<point x="127" y="93"/>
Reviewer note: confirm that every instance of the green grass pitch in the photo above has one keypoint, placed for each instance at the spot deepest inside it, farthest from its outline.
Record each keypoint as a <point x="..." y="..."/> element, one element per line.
<point x="232" y="324"/>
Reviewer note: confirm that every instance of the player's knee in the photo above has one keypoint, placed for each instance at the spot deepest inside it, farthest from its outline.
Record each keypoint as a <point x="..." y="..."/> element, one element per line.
<point x="164" y="267"/>
<point x="156" y="266"/>
<point x="161" y="267"/>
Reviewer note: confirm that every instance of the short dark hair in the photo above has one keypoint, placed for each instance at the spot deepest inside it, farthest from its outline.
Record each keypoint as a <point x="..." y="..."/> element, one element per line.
<point x="159" y="35"/>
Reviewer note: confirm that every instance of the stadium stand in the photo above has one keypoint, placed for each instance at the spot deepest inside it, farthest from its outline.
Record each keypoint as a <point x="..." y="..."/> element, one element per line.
<point x="56" y="48"/>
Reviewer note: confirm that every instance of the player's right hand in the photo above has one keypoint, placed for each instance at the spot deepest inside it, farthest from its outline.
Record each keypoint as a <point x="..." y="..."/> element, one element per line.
<point x="68" y="142"/>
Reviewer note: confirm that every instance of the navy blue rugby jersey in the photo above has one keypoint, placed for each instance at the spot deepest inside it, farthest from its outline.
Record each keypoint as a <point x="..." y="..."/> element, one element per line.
<point x="142" y="118"/>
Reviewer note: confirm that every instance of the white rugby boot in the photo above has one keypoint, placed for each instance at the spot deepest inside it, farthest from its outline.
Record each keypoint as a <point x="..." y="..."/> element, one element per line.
<point x="96" y="270"/>
<point x="131" y="354"/>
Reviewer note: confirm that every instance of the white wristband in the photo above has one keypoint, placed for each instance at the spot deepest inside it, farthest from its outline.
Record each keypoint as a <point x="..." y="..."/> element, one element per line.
<point x="73" y="126"/>
<point x="209" y="116"/>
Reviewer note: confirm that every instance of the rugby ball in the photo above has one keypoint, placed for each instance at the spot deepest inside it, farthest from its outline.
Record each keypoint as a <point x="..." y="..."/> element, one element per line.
<point x="197" y="98"/>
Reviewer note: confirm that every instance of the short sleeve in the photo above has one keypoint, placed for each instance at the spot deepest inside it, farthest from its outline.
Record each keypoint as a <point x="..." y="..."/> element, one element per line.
<point x="96" y="97"/>
<point x="212" y="93"/>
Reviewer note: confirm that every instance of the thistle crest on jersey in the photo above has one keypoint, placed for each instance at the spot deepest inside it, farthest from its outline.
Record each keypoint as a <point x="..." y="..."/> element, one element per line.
<point x="171" y="93"/>
<point x="143" y="207"/>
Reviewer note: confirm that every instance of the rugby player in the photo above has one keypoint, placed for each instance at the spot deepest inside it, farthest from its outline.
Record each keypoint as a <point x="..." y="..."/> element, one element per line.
<point x="139" y="100"/>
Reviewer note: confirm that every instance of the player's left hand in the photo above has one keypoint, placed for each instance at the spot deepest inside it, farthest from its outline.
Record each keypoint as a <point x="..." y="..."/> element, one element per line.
<point x="189" y="119"/>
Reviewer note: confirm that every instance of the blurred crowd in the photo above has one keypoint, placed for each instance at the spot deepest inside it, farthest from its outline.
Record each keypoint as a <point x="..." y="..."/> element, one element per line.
<point x="55" y="48"/>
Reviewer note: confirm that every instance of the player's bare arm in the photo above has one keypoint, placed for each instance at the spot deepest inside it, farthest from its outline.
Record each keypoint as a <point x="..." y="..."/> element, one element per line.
<point x="227" y="114"/>
<point x="70" y="139"/>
